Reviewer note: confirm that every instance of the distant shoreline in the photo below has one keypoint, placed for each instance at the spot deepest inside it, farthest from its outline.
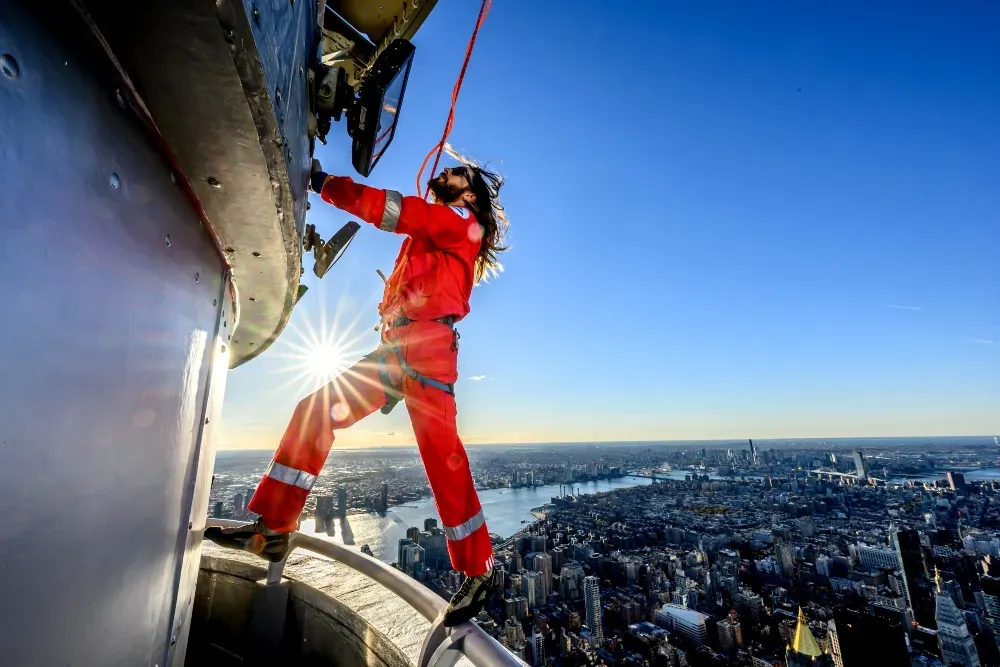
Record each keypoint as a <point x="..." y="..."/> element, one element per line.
<point x="876" y="441"/>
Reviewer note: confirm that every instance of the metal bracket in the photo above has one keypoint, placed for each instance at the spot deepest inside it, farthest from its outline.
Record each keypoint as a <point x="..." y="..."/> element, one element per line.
<point x="275" y="570"/>
<point x="443" y="646"/>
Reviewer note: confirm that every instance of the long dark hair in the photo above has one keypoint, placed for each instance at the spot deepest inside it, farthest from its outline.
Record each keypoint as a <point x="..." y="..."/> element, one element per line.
<point x="490" y="214"/>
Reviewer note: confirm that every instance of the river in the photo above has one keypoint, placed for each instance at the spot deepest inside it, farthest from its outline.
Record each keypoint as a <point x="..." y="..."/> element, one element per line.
<point x="505" y="509"/>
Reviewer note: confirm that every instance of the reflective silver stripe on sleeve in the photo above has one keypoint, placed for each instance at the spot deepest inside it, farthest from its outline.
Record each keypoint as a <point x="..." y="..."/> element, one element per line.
<point x="390" y="216"/>
<point x="462" y="531"/>
<point x="290" y="476"/>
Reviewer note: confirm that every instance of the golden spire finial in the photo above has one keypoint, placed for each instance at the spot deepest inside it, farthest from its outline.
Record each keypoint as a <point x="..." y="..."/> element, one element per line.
<point x="937" y="579"/>
<point x="804" y="642"/>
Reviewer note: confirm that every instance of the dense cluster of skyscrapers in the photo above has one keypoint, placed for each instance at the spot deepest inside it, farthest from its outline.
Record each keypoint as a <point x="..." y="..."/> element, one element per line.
<point x="799" y="569"/>
<point x="817" y="556"/>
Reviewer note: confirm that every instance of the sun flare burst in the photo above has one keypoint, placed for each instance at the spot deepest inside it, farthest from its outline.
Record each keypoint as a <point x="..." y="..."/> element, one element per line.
<point x="316" y="353"/>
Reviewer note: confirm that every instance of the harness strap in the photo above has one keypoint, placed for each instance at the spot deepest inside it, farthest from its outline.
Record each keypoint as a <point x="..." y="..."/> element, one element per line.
<point x="403" y="320"/>
<point x="393" y="395"/>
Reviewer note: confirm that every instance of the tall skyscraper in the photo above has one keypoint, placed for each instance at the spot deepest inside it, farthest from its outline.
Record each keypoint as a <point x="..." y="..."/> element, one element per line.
<point x="543" y="565"/>
<point x="430" y="524"/>
<point x="342" y="501"/>
<point x="859" y="638"/>
<point x="571" y="581"/>
<point x="403" y="543"/>
<point x="956" y="481"/>
<point x="833" y="640"/>
<point x="520" y="606"/>
<point x="730" y="633"/>
<point x="384" y="498"/>
<point x="435" y="549"/>
<point x="531" y="588"/>
<point x="958" y="646"/>
<point x="537" y="643"/>
<point x="919" y="593"/>
<point x="592" y="599"/>
<point x="412" y="559"/>
<point x="785" y="559"/>
<point x="988" y="601"/>
<point x="513" y="634"/>
<point x="859" y="465"/>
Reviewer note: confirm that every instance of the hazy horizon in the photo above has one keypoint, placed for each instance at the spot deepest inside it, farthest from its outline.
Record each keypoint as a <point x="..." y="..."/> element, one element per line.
<point x="986" y="440"/>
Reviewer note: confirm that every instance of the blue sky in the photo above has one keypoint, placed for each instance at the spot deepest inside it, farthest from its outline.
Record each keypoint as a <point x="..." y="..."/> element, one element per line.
<point x="729" y="219"/>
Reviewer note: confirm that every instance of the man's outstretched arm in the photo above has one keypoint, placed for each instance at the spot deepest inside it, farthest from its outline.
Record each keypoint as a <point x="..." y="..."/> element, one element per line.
<point x="387" y="209"/>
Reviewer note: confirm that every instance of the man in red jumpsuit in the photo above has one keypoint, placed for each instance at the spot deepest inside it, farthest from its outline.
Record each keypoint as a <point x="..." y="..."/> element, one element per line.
<point x="451" y="244"/>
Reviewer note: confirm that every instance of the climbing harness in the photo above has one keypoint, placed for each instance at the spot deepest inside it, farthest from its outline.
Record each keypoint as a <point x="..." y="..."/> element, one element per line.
<point x="394" y="394"/>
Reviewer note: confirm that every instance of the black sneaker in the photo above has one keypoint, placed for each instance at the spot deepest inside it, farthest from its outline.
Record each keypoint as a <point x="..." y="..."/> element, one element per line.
<point x="471" y="598"/>
<point x="252" y="537"/>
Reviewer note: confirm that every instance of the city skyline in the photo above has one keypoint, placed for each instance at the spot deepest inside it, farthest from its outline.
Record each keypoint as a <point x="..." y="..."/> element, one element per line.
<point x="799" y="246"/>
<point x="378" y="440"/>
<point x="746" y="555"/>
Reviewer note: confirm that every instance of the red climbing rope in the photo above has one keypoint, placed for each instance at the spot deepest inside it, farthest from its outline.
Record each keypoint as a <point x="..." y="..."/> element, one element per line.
<point x="392" y="283"/>
<point x="484" y="9"/>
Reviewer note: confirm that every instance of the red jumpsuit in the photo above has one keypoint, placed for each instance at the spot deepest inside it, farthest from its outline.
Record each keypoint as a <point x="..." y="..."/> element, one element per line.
<point x="433" y="278"/>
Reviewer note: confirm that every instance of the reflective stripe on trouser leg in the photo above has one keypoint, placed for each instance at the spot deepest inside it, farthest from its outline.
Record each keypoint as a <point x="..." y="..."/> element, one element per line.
<point x="462" y="531"/>
<point x="433" y="415"/>
<point x="282" y="492"/>
<point x="290" y="476"/>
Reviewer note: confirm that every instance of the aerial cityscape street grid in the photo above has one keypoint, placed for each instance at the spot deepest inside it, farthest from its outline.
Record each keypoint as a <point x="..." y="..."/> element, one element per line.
<point x="835" y="552"/>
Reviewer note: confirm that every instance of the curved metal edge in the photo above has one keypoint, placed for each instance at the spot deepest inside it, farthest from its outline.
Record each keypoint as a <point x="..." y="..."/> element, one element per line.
<point x="470" y="639"/>
<point x="233" y="19"/>
<point x="434" y="638"/>
<point x="442" y="648"/>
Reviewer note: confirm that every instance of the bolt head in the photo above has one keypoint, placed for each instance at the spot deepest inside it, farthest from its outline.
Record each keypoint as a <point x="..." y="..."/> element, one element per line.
<point x="9" y="66"/>
<point x="115" y="180"/>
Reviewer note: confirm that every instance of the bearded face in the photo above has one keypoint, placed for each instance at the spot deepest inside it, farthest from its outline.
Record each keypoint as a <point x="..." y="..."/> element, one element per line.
<point x="447" y="187"/>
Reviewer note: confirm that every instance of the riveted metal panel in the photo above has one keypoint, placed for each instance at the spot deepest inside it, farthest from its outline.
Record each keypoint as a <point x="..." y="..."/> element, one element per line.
<point x="112" y="294"/>
<point x="285" y="34"/>
<point x="227" y="87"/>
